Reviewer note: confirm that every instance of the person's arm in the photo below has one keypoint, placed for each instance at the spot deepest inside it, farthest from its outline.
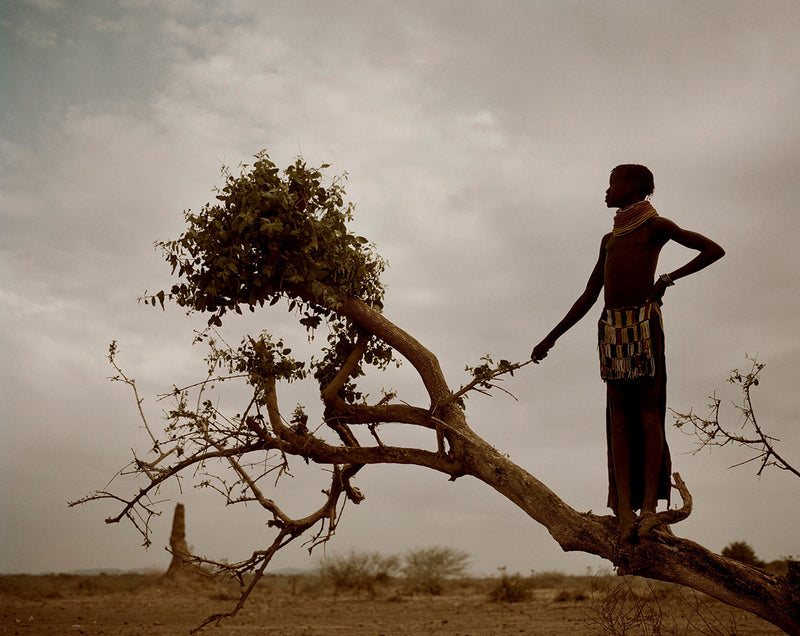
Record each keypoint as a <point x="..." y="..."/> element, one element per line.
<point x="710" y="252"/>
<point x="578" y="310"/>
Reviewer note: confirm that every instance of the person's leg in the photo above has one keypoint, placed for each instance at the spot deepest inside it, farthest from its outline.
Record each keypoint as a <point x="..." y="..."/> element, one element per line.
<point x="653" y="443"/>
<point x="621" y="457"/>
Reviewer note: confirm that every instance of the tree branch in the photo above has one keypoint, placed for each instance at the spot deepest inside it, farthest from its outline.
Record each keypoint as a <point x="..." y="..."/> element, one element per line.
<point x="711" y="432"/>
<point x="291" y="242"/>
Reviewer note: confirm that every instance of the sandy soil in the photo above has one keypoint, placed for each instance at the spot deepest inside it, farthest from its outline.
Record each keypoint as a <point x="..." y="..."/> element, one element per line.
<point x="153" y="612"/>
<point x="168" y="610"/>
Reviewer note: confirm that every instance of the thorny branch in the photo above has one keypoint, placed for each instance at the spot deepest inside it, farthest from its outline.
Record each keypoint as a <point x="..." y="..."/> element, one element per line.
<point x="121" y="377"/>
<point x="709" y="431"/>
<point x="484" y="379"/>
<point x="201" y="437"/>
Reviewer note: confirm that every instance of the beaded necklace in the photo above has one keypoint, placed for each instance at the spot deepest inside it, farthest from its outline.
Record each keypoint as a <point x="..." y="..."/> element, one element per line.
<point x="633" y="216"/>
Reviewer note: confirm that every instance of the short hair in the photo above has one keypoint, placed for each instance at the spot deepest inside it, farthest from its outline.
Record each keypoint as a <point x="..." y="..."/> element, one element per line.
<point x="640" y="174"/>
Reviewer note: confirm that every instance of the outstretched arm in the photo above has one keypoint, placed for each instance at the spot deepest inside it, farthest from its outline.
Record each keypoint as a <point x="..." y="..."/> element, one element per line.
<point x="709" y="253"/>
<point x="581" y="307"/>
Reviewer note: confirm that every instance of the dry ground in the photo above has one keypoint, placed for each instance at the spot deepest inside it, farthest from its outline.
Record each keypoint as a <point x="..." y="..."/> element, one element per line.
<point x="291" y="606"/>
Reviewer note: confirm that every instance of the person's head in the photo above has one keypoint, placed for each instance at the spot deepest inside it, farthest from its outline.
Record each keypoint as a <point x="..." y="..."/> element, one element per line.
<point x="629" y="183"/>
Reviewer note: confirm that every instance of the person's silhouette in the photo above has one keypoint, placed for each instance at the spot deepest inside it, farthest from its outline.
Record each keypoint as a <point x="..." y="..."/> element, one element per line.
<point x="631" y="340"/>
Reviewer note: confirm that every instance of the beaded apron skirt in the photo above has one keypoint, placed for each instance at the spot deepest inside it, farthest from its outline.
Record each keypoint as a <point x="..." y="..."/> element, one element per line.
<point x="625" y="342"/>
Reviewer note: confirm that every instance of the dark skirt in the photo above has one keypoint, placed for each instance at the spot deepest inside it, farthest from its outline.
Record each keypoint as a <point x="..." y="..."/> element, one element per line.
<point x="633" y="416"/>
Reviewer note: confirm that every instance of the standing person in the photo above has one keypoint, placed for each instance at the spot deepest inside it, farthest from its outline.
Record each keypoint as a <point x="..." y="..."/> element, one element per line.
<point x="631" y="340"/>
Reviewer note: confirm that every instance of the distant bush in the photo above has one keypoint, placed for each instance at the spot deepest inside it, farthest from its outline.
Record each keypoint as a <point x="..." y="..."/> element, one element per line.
<point x="510" y="588"/>
<point x="570" y="596"/>
<point x="426" y="569"/>
<point x="551" y="579"/>
<point x="358" y="570"/>
<point x="743" y="552"/>
<point x="62" y="585"/>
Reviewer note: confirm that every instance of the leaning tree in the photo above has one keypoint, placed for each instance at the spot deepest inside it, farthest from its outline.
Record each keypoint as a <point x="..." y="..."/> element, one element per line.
<point x="276" y="236"/>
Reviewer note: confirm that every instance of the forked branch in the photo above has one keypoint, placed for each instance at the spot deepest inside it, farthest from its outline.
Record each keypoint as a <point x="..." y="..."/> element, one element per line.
<point x="711" y="431"/>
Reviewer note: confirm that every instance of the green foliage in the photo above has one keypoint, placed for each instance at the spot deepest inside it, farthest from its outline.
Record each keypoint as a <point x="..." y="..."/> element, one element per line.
<point x="256" y="359"/>
<point x="485" y="377"/>
<point x="426" y="569"/>
<point x="488" y="370"/>
<point x="271" y="235"/>
<point x="341" y="342"/>
<point x="743" y="552"/>
<point x="510" y="588"/>
<point x="358" y="570"/>
<point x="275" y="235"/>
<point x="195" y="419"/>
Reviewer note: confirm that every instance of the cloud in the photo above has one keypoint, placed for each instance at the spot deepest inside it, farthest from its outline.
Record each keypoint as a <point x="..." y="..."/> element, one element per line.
<point x="478" y="143"/>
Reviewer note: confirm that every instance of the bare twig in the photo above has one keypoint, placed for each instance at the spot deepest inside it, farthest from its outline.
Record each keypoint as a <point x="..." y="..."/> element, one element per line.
<point x="121" y="377"/>
<point x="484" y="377"/>
<point x="709" y="431"/>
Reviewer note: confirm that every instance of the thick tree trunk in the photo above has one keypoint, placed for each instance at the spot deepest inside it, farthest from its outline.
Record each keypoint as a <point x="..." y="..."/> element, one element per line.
<point x="658" y="555"/>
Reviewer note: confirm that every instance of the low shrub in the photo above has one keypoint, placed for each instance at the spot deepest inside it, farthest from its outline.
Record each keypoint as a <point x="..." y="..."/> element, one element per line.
<point x="549" y="580"/>
<point x="510" y="588"/>
<point x="570" y="596"/>
<point x="358" y="570"/>
<point x="426" y="569"/>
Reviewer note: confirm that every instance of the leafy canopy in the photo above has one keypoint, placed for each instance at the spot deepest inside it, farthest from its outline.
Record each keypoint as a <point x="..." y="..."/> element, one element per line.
<point x="275" y="234"/>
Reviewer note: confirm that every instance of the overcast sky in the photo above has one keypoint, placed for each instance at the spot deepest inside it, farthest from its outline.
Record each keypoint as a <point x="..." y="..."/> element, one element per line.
<point x="478" y="138"/>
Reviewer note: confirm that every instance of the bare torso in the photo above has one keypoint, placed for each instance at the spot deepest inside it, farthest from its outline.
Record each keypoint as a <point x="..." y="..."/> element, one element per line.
<point x="625" y="272"/>
<point x="630" y="266"/>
